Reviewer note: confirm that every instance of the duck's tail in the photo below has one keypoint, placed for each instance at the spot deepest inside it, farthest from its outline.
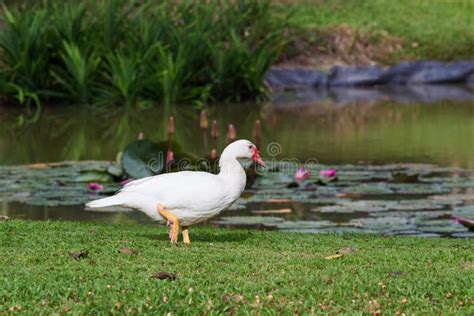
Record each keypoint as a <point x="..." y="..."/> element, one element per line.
<point x="117" y="200"/>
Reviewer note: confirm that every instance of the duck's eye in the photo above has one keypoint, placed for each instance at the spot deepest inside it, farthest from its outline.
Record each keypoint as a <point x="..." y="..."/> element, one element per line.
<point x="250" y="146"/>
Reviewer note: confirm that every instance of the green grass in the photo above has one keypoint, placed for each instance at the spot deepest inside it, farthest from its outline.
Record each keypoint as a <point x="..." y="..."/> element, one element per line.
<point x="227" y="270"/>
<point x="442" y="29"/>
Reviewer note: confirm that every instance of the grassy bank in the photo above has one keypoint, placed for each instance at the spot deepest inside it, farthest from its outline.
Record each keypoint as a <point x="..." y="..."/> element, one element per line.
<point x="439" y="29"/>
<point x="229" y="271"/>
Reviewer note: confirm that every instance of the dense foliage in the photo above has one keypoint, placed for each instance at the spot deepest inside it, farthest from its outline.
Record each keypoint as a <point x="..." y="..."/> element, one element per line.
<point x="130" y="51"/>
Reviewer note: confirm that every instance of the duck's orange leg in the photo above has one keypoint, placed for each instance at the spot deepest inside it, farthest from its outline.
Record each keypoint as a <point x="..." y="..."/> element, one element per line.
<point x="173" y="219"/>
<point x="186" y="239"/>
<point x="170" y="225"/>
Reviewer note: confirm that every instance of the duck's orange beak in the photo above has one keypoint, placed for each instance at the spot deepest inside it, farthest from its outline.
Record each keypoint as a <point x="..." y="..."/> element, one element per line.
<point x="256" y="157"/>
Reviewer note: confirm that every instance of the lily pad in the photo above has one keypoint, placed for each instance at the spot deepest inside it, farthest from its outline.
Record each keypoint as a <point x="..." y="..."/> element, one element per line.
<point x="93" y="176"/>
<point x="115" y="170"/>
<point x="337" y="230"/>
<point x="432" y="214"/>
<point x="250" y="220"/>
<point x="143" y="158"/>
<point x="55" y="185"/>
<point x="419" y="188"/>
<point x="462" y="184"/>
<point x="384" y="224"/>
<point x="294" y="225"/>
<point x="442" y="229"/>
<point x="356" y="206"/>
<point x="464" y="211"/>
<point x="466" y="234"/>
<point x="369" y="189"/>
<point x="442" y="226"/>
<point x="273" y="211"/>
<point x="363" y="200"/>
<point x="454" y="198"/>
<point x="401" y="177"/>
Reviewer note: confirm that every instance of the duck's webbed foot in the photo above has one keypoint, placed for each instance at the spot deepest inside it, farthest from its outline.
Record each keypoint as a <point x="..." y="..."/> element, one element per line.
<point x="173" y="220"/>
<point x="186" y="239"/>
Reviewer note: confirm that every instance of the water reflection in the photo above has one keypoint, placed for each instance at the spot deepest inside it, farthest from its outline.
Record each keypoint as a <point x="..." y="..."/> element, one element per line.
<point x="371" y="132"/>
<point x="404" y="94"/>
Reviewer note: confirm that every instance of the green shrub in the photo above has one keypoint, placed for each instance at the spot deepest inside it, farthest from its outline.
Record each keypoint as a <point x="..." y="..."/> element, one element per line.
<point x="124" y="52"/>
<point x="76" y="73"/>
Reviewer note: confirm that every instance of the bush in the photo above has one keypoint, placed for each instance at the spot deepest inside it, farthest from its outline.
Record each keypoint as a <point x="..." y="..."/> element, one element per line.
<point x="127" y="52"/>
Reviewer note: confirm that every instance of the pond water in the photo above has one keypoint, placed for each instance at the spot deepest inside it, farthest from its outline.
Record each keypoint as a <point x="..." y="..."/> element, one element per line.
<point x="366" y="134"/>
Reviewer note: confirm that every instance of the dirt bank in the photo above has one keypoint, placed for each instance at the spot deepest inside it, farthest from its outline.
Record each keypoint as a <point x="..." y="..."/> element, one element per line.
<point x="341" y="46"/>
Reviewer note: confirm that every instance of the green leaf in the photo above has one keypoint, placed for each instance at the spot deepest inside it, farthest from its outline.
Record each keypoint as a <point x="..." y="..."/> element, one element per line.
<point x="143" y="158"/>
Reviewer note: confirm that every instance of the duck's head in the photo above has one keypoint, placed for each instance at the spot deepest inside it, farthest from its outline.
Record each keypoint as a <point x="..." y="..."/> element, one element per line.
<point x="243" y="149"/>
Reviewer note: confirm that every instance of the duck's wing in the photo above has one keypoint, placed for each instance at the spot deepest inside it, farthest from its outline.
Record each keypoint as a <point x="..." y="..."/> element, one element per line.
<point x="133" y="184"/>
<point x="178" y="189"/>
<point x="168" y="179"/>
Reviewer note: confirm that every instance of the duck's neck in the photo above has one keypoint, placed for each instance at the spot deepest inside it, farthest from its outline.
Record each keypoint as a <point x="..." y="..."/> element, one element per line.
<point x="234" y="174"/>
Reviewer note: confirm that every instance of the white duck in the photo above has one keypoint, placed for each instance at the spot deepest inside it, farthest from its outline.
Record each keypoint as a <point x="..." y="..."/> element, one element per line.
<point x="187" y="197"/>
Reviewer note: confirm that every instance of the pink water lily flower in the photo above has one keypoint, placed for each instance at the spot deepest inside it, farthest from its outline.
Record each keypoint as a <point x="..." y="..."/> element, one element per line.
<point x="302" y="174"/>
<point x="329" y="173"/>
<point x="169" y="156"/>
<point x="94" y="186"/>
<point x="214" y="154"/>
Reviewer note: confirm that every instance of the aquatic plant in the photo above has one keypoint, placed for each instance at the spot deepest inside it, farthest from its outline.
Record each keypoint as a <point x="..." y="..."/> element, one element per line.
<point x="126" y="52"/>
